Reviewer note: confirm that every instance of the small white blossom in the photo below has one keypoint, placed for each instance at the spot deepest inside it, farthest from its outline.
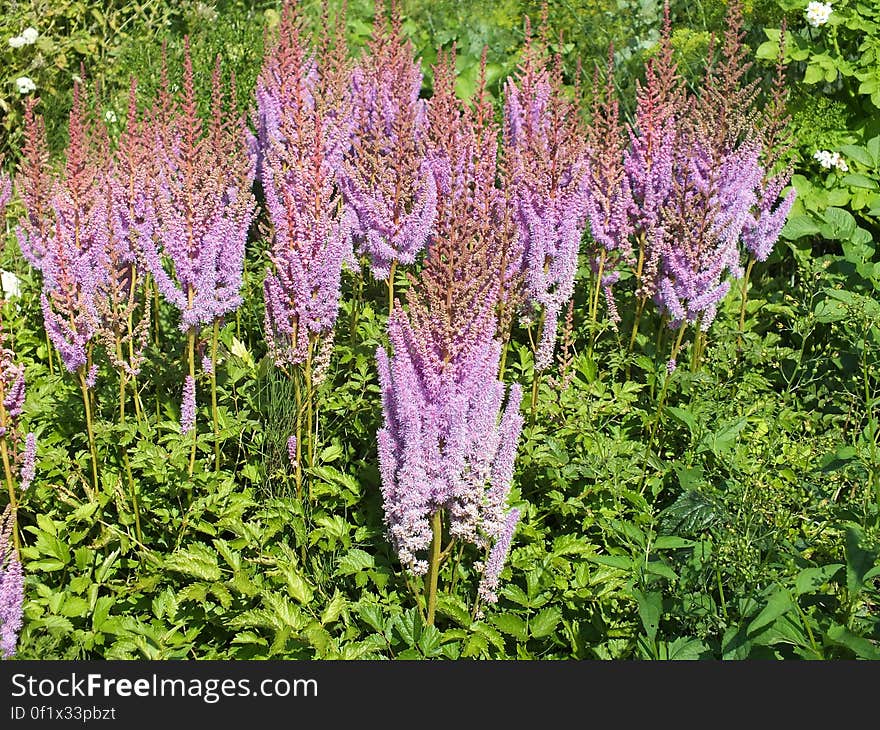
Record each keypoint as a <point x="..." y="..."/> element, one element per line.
<point x="25" y="85"/>
<point x="30" y="35"/>
<point x="10" y="284"/>
<point x="110" y="116"/>
<point x="818" y="13"/>
<point x="828" y="159"/>
<point x="17" y="41"/>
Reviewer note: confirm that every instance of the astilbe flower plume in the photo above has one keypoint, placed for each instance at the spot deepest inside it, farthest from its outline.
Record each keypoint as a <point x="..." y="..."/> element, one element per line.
<point x="18" y="449"/>
<point x="34" y="185"/>
<point x="609" y="199"/>
<point x="649" y="156"/>
<point x="5" y="189"/>
<point x="762" y="229"/>
<point x="300" y="149"/>
<point x="123" y="303"/>
<point x="699" y="187"/>
<point x="386" y="177"/>
<point x="202" y="204"/>
<point x="72" y="259"/>
<point x="449" y="439"/>
<point x="545" y="164"/>
<point x="11" y="587"/>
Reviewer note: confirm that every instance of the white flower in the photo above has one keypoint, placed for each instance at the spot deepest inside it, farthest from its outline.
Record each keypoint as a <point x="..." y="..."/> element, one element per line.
<point x="17" y="41"/>
<point x="818" y="13"/>
<point x="10" y="284"/>
<point x="110" y="116"/>
<point x="824" y="158"/>
<point x="25" y="85"/>
<point x="828" y="159"/>
<point x="30" y="35"/>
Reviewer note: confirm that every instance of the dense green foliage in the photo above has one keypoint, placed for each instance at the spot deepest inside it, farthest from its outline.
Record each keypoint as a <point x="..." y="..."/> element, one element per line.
<point x="750" y="527"/>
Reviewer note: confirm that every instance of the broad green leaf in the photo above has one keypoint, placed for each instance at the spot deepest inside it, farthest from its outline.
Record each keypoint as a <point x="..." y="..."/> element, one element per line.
<point x="197" y="560"/>
<point x="811" y="579"/>
<point x="545" y="622"/>
<point x="858" y="560"/>
<point x="650" y="609"/>
<point x="511" y="624"/>
<point x="778" y="604"/>
<point x="859" y="645"/>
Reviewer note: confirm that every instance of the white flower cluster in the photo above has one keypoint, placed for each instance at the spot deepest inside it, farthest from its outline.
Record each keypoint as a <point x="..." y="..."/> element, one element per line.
<point x="818" y="13"/>
<point x="25" y="85"/>
<point x="28" y="37"/>
<point x="830" y="159"/>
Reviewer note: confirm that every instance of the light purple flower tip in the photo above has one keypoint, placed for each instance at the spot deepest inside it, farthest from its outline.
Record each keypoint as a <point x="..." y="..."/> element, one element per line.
<point x="188" y="409"/>
<point x="28" y="467"/>
<point x="497" y="559"/>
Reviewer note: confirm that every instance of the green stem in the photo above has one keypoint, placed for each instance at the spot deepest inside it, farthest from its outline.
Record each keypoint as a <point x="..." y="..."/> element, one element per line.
<point x="84" y="388"/>
<point x="502" y="365"/>
<point x="10" y="485"/>
<point x="308" y="388"/>
<point x="391" y="287"/>
<point x="660" y="403"/>
<point x="214" y="415"/>
<point x="125" y="460"/>
<point x="742" y="308"/>
<point x="356" y="306"/>
<point x="594" y="301"/>
<point x="191" y="358"/>
<point x="297" y="388"/>
<point x="432" y="578"/>
<point x="49" y="354"/>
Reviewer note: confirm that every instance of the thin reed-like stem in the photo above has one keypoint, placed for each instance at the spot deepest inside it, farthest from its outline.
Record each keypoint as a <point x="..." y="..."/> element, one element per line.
<point x="433" y="575"/>
<point x="87" y="404"/>
<point x="215" y="336"/>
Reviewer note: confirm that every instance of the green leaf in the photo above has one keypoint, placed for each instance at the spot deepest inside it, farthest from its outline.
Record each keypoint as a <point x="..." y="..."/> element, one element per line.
<point x="814" y="74"/>
<point x="672" y="542"/>
<point x="454" y="608"/>
<point x="545" y="622"/>
<point x="860" y="181"/>
<point x="650" y="609"/>
<point x="811" y="579"/>
<point x="857" y="153"/>
<point x="372" y="615"/>
<point x="778" y="604"/>
<point x="725" y="437"/>
<point x="409" y="626"/>
<point x="334" y="609"/>
<point x="511" y="624"/>
<point x="198" y="561"/>
<point x="798" y="226"/>
<point x="354" y="561"/>
<point x="839" y="224"/>
<point x="613" y="561"/>
<point x="858" y="560"/>
<point x="860" y="646"/>
<point x="686" y="649"/>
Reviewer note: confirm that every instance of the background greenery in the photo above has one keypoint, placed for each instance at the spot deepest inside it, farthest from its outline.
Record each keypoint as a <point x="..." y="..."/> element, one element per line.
<point x="755" y="534"/>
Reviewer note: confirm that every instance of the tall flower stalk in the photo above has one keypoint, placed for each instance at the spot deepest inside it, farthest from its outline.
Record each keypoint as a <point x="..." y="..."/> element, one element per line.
<point x="449" y="440"/>
<point x="304" y="125"/>
<point x="386" y="179"/>
<point x="18" y="449"/>
<point x="609" y="198"/>
<point x="69" y="250"/>
<point x="11" y="586"/>
<point x="545" y="164"/>
<point x="202" y="208"/>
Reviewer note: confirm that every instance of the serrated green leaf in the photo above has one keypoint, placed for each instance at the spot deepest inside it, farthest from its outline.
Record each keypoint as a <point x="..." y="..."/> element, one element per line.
<point x="511" y="624"/>
<point x="545" y="621"/>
